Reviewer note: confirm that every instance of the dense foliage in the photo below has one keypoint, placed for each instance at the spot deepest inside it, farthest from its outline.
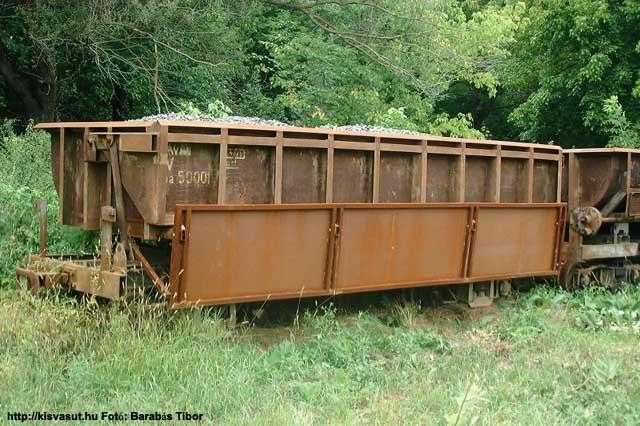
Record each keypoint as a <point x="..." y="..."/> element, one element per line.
<point x="575" y="72"/>
<point x="543" y="70"/>
<point x="26" y="168"/>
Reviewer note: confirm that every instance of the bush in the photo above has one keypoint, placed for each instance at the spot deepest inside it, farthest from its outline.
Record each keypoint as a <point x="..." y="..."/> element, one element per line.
<point x="622" y="132"/>
<point x="26" y="164"/>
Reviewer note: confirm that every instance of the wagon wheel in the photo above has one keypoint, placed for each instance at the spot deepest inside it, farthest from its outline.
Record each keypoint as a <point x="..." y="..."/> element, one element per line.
<point x="570" y="277"/>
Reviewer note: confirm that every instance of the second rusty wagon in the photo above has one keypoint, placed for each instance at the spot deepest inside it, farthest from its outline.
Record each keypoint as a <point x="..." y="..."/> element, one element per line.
<point x="602" y="189"/>
<point x="243" y="212"/>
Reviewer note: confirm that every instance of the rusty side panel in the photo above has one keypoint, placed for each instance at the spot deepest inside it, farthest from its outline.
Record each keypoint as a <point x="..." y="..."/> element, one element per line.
<point x="513" y="181"/>
<point x="600" y="177"/>
<point x="399" y="177"/>
<point x="168" y="163"/>
<point x="545" y="181"/>
<point x="480" y="179"/>
<point x="514" y="241"/>
<point x="635" y="171"/>
<point x="442" y="178"/>
<point x="390" y="246"/>
<point x="304" y="172"/>
<point x="73" y="184"/>
<point x="97" y="192"/>
<point x="352" y="176"/>
<point x="236" y="254"/>
<point x="634" y="204"/>
<point x="193" y="174"/>
<point x="227" y="254"/>
<point x="139" y="174"/>
<point x="250" y="174"/>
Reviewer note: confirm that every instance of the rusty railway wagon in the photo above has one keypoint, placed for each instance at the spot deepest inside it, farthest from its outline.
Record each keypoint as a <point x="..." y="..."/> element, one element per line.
<point x="602" y="189"/>
<point x="225" y="213"/>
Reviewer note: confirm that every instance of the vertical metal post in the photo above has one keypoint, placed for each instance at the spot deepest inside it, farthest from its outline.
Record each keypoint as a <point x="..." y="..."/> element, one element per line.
<point x="233" y="319"/>
<point x="423" y="172"/>
<point x="107" y="217"/>
<point x="472" y="220"/>
<point x="85" y="156"/>
<point x="498" y="174"/>
<point x="329" y="180"/>
<point x="530" y="168"/>
<point x="117" y="187"/>
<point x="163" y="171"/>
<point x="222" y="166"/>
<point x="333" y="230"/>
<point x="462" y="173"/>
<point x="278" y="168"/>
<point x="41" y="208"/>
<point x="336" y="250"/>
<point x="375" y="196"/>
<point x="575" y="239"/>
<point x="559" y="181"/>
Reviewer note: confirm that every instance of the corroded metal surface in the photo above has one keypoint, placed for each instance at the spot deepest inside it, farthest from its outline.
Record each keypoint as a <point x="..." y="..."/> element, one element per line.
<point x="164" y="163"/>
<point x="237" y="244"/>
<point x="601" y="177"/>
<point x="600" y="187"/>
<point x="228" y="254"/>
<point x="586" y="220"/>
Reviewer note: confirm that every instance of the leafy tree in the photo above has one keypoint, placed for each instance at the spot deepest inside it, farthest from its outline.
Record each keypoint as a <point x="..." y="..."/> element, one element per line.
<point x="115" y="58"/>
<point x="570" y="59"/>
<point x="343" y="62"/>
<point x="306" y="61"/>
<point x="623" y="133"/>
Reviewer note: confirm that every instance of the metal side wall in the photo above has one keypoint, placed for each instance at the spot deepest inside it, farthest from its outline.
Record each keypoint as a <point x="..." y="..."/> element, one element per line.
<point x="229" y="254"/>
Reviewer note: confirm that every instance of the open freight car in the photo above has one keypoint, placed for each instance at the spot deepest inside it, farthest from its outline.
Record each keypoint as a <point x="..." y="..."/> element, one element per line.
<point x="252" y="212"/>
<point x="602" y="189"/>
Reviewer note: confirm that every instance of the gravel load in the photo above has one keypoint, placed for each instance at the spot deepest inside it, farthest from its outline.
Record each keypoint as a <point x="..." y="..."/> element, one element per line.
<point x="368" y="128"/>
<point x="179" y="116"/>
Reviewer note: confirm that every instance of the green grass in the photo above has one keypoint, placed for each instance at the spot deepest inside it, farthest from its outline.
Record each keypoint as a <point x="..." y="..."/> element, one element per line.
<point x="546" y="357"/>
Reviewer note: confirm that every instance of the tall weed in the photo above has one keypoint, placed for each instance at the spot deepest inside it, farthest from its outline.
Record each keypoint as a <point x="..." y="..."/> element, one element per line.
<point x="594" y="308"/>
<point x="25" y="163"/>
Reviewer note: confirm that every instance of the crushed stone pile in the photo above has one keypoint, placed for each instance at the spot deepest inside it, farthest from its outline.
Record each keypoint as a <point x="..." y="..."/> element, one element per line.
<point x="369" y="128"/>
<point x="179" y="116"/>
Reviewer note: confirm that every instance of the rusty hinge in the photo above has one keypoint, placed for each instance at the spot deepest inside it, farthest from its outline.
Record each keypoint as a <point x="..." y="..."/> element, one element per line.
<point x="183" y="233"/>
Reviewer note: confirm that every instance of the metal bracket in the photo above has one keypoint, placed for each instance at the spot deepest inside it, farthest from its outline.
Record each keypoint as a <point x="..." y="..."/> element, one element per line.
<point x="481" y="295"/>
